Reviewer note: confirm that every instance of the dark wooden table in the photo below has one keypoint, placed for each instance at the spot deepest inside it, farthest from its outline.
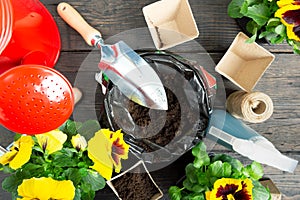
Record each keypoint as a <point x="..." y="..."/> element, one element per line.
<point x="281" y="81"/>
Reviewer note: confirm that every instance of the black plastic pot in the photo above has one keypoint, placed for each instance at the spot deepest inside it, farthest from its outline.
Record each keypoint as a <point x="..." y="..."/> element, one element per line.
<point x="160" y="137"/>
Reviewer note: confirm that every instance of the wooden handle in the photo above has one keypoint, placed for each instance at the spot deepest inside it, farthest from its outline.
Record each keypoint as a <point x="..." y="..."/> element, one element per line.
<point x="75" y="20"/>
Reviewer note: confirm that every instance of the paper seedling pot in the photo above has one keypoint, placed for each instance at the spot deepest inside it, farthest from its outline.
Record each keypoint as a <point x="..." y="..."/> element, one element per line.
<point x="275" y="193"/>
<point x="244" y="63"/>
<point x="129" y="183"/>
<point x="171" y="22"/>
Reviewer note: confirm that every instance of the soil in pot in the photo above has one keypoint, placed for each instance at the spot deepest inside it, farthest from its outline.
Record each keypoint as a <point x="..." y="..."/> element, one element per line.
<point x="170" y="125"/>
<point x="135" y="186"/>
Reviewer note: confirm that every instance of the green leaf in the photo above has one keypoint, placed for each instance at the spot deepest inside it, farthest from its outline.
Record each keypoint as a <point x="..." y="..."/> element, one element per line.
<point x="234" y="8"/>
<point x="277" y="40"/>
<point x="263" y="34"/>
<point x="89" y="128"/>
<point x="251" y="39"/>
<point x="254" y="171"/>
<point x="226" y="169"/>
<point x="64" y="158"/>
<point x="187" y="184"/>
<point x="34" y="169"/>
<point x="259" y="13"/>
<point x="7" y="170"/>
<point x="212" y="180"/>
<point x="199" y="188"/>
<point x="273" y="22"/>
<point x="201" y="156"/>
<point x="235" y="163"/>
<point x="194" y="187"/>
<point x="219" y="169"/>
<point x="296" y="48"/>
<point x="203" y="178"/>
<point x="259" y="192"/>
<point x="244" y="9"/>
<point x="74" y="175"/>
<point x="175" y="193"/>
<point x="70" y="127"/>
<point x="38" y="149"/>
<point x="11" y="183"/>
<point x="273" y="7"/>
<point x="216" y="169"/>
<point x="252" y="27"/>
<point x="77" y="194"/>
<point x="191" y="173"/>
<point x="89" y="195"/>
<point x="83" y="172"/>
<point x="270" y="36"/>
<point x="194" y="197"/>
<point x="17" y="136"/>
<point x="253" y="2"/>
<point x="280" y="29"/>
<point x="96" y="181"/>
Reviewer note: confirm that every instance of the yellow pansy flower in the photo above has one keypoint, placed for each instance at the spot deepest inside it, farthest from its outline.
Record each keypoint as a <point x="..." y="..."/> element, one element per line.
<point x="282" y="3"/>
<point x="79" y="142"/>
<point x="231" y="189"/>
<point x="45" y="189"/>
<point x="289" y="17"/>
<point x="19" y="153"/>
<point x="51" y="141"/>
<point x="106" y="149"/>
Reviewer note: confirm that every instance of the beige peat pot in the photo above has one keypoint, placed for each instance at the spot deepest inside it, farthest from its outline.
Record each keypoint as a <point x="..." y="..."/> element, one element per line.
<point x="244" y="63"/>
<point x="171" y="22"/>
<point x="135" y="183"/>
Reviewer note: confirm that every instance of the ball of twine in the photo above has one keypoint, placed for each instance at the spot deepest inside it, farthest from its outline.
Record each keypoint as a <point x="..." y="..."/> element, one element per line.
<point x="254" y="107"/>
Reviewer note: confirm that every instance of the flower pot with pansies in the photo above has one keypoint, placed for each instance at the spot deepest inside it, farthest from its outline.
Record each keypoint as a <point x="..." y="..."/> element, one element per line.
<point x="277" y="21"/>
<point x="62" y="164"/>
<point x="219" y="177"/>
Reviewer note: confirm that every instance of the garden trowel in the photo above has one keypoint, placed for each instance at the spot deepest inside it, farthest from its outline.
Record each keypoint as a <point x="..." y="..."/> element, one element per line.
<point x="135" y="78"/>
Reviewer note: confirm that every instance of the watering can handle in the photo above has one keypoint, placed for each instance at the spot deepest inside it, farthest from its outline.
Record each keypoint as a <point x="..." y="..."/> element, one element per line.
<point x="76" y="21"/>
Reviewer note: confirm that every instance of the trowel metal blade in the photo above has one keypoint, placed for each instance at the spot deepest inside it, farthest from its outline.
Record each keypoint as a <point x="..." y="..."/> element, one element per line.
<point x="134" y="77"/>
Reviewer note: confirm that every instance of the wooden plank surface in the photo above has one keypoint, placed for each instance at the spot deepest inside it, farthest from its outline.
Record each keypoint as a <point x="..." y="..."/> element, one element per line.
<point x="281" y="81"/>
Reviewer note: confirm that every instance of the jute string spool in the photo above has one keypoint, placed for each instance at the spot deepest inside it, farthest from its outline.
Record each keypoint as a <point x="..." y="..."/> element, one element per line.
<point x="254" y="107"/>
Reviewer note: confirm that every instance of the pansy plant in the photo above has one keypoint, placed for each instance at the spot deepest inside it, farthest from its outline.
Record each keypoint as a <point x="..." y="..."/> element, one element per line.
<point x="219" y="177"/>
<point x="275" y="20"/>
<point x="61" y="164"/>
<point x="289" y="15"/>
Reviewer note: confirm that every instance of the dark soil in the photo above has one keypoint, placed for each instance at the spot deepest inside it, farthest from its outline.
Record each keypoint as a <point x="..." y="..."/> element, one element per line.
<point x="168" y="121"/>
<point x="135" y="186"/>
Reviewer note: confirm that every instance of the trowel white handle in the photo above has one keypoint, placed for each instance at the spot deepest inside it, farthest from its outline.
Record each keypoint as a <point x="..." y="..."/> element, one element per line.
<point x="76" y="21"/>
